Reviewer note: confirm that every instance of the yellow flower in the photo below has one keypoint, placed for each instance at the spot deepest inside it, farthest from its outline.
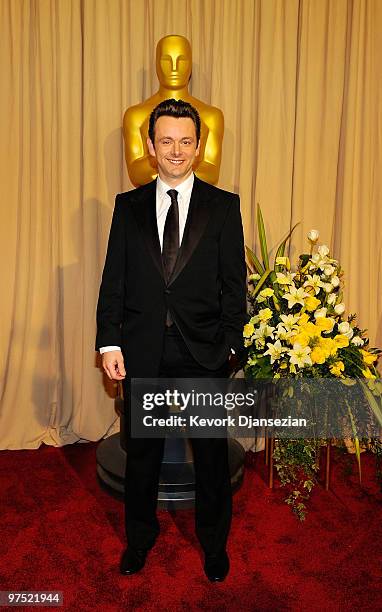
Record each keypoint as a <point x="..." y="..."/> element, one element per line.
<point x="254" y="277"/>
<point x="283" y="261"/>
<point x="318" y="355"/>
<point x="341" y="340"/>
<point x="368" y="358"/>
<point x="337" y="368"/>
<point x="311" y="303"/>
<point x="328" y="345"/>
<point x="268" y="292"/>
<point x="324" y="323"/>
<point x="310" y="290"/>
<point x="304" y="318"/>
<point x="284" y="279"/>
<point x="311" y="329"/>
<point x="305" y="333"/>
<point x="367" y="373"/>
<point x="249" y="330"/>
<point x="252" y="361"/>
<point x="265" y="314"/>
<point x="301" y="338"/>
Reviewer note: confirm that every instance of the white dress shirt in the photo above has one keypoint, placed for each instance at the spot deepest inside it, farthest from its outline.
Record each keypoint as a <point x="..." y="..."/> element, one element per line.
<point x="163" y="203"/>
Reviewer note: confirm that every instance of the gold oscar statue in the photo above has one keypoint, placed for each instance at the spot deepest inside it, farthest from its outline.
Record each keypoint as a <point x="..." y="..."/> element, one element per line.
<point x="173" y="66"/>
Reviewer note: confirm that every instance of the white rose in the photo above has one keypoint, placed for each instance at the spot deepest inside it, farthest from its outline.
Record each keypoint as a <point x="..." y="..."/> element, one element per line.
<point x="335" y="281"/>
<point x="328" y="287"/>
<point x="321" y="312"/>
<point x="328" y="270"/>
<point x="339" y="308"/>
<point x="323" y="250"/>
<point x="313" y="235"/>
<point x="332" y="298"/>
<point x="345" y="329"/>
<point x="357" y="340"/>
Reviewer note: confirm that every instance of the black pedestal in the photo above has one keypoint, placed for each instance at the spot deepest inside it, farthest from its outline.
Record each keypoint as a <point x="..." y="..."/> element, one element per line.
<point x="176" y="486"/>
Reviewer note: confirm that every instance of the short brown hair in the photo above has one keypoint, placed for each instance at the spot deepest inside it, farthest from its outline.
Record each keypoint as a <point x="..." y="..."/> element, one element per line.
<point x="174" y="108"/>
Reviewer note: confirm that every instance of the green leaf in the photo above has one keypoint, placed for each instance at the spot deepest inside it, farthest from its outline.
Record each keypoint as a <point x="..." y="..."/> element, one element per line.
<point x="281" y="248"/>
<point x="356" y="440"/>
<point x="262" y="237"/>
<point x="304" y="259"/>
<point x="372" y="401"/>
<point x="254" y="261"/>
<point x="261" y="281"/>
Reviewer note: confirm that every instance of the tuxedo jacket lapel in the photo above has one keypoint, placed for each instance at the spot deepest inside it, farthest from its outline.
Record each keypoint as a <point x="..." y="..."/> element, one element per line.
<point x="144" y="203"/>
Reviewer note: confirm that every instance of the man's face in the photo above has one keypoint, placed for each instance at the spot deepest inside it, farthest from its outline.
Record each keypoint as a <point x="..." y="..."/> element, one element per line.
<point x="174" y="148"/>
<point x="174" y="62"/>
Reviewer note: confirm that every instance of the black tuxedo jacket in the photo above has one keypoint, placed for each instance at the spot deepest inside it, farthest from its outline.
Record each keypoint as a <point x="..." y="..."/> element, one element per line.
<point x="206" y="293"/>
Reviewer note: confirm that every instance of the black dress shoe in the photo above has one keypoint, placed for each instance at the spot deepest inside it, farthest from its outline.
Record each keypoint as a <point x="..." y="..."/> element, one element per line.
<point x="216" y="567"/>
<point x="132" y="561"/>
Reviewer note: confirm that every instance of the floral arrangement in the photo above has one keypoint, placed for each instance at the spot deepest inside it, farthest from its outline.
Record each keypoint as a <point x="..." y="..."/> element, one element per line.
<point x="298" y="329"/>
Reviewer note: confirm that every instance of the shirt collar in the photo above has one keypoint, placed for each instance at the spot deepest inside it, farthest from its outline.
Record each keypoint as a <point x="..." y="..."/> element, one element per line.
<point x="182" y="188"/>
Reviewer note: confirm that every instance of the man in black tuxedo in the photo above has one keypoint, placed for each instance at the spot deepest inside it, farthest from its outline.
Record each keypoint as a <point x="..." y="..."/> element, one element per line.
<point x="172" y="303"/>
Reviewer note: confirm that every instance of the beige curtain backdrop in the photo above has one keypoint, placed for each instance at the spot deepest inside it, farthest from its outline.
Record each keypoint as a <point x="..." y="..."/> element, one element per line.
<point x="300" y="86"/>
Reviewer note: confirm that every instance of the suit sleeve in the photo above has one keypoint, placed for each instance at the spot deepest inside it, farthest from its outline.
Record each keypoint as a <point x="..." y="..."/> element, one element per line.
<point x="233" y="274"/>
<point x="111" y="294"/>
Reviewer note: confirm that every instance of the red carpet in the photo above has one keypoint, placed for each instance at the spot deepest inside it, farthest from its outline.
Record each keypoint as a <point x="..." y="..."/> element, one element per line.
<point x="60" y="531"/>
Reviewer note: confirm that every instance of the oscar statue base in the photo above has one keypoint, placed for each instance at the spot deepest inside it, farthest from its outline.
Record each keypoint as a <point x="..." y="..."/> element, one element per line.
<point x="177" y="480"/>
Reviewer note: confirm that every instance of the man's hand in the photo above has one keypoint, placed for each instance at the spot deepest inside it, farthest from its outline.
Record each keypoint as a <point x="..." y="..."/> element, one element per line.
<point x="112" y="363"/>
<point x="233" y="362"/>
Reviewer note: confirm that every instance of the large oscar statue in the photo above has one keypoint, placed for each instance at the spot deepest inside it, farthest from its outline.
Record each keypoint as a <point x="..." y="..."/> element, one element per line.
<point x="173" y="66"/>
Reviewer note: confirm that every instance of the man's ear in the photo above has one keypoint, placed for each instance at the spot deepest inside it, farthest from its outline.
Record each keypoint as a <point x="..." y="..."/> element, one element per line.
<point x="197" y="151"/>
<point x="150" y="147"/>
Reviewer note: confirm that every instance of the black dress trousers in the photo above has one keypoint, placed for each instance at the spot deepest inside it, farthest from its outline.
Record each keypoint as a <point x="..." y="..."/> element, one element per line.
<point x="213" y="496"/>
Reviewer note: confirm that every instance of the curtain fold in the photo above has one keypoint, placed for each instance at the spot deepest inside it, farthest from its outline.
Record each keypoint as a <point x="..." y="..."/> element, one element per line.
<point x="299" y="83"/>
